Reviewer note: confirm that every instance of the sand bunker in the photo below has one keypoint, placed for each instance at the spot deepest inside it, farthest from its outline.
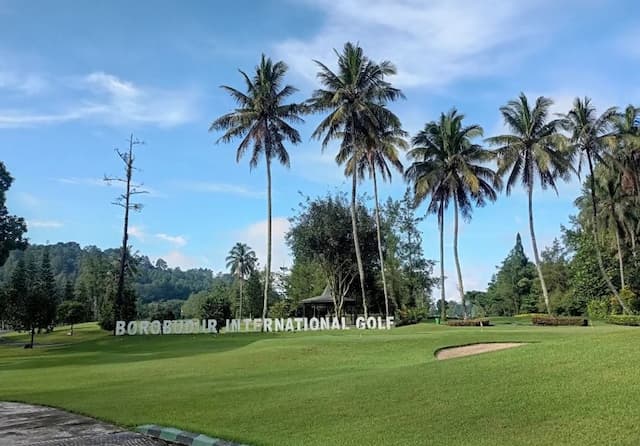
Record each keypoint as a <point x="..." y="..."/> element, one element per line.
<point x="474" y="349"/>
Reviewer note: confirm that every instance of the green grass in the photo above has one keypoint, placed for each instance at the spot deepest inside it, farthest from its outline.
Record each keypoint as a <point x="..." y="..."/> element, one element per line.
<point x="570" y="385"/>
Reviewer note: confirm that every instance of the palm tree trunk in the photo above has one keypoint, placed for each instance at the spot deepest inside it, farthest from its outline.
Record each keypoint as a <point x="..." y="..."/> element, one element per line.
<point x="241" y="297"/>
<point x="455" y="255"/>
<point x="596" y="242"/>
<point x="354" y="227"/>
<point x="620" y="261"/>
<point x="536" y="256"/>
<point x="443" y="302"/>
<point x="267" y="277"/>
<point x="384" y="278"/>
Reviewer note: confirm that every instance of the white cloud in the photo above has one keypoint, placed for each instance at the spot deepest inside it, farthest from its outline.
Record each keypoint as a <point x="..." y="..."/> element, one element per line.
<point x="432" y="42"/>
<point x="137" y="232"/>
<point x="83" y="181"/>
<point x="255" y="235"/>
<point x="50" y="224"/>
<point x="106" y="98"/>
<point x="222" y="188"/>
<point x="22" y="83"/>
<point x="124" y="102"/>
<point x="177" y="240"/>
<point x="179" y="259"/>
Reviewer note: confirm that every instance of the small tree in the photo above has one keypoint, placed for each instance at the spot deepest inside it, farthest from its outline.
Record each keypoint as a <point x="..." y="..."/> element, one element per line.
<point x="27" y="304"/>
<point x="216" y="307"/>
<point x="71" y="312"/>
<point x="46" y="293"/>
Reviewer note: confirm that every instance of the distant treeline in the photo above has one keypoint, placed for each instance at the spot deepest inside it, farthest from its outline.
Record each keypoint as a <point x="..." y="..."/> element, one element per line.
<point x="86" y="269"/>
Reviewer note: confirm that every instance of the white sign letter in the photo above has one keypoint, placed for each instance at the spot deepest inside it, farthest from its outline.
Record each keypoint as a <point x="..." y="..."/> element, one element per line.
<point x="120" y="328"/>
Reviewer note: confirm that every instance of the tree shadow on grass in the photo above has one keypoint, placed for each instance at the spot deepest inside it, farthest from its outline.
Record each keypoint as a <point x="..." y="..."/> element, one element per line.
<point x="125" y="349"/>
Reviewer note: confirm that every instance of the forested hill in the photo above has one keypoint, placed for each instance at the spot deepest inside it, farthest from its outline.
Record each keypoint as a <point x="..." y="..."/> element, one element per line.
<point x="87" y="268"/>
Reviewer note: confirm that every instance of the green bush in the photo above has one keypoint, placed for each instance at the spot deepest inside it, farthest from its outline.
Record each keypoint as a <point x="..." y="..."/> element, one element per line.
<point x="527" y="316"/>
<point x="409" y="316"/>
<point x="559" y="320"/>
<point x="624" y="319"/>
<point x="484" y="322"/>
<point x="631" y="299"/>
<point x="280" y="309"/>
<point x="598" y="309"/>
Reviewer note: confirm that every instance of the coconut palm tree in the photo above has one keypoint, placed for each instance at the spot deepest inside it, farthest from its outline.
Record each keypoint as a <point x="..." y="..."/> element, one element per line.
<point x="590" y="137"/>
<point x="241" y="261"/>
<point x="380" y="151"/>
<point x="448" y="166"/>
<point x="626" y="148"/>
<point x="533" y="149"/>
<point x="263" y="122"/>
<point x="613" y="208"/>
<point x="355" y="97"/>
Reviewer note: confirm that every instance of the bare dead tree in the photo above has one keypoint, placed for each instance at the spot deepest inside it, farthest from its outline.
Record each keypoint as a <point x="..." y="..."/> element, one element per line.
<point x="124" y="200"/>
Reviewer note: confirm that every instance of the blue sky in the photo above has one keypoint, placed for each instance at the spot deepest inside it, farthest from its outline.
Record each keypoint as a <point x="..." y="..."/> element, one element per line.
<point x="76" y="78"/>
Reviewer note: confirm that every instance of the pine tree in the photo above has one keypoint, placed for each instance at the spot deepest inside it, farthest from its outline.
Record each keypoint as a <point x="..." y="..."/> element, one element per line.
<point x="510" y="289"/>
<point x="16" y="297"/>
<point x="46" y="294"/>
<point x="69" y="292"/>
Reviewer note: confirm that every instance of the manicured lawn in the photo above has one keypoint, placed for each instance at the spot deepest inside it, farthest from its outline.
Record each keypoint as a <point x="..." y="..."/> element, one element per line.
<point x="573" y="385"/>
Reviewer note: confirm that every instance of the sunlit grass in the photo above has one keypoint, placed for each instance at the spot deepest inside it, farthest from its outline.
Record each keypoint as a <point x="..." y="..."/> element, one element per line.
<point x="569" y="385"/>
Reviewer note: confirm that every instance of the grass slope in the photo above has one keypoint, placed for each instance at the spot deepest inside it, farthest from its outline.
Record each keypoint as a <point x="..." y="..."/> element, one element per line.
<point x="573" y="385"/>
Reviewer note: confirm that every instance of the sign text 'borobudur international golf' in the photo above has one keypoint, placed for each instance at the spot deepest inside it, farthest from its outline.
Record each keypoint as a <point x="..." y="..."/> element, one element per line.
<point x="194" y="326"/>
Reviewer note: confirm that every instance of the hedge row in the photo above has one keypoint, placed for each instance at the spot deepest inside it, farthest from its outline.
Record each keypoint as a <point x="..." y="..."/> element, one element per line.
<point x="527" y="316"/>
<point x="624" y="319"/>
<point x="559" y="320"/>
<point x="469" y="323"/>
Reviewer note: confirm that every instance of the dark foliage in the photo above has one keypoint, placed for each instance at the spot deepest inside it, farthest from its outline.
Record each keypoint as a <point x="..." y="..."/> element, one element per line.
<point x="559" y="320"/>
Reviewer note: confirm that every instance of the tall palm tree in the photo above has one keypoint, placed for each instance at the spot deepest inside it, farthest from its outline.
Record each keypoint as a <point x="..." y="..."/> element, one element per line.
<point x="448" y="166"/>
<point x="612" y="207"/>
<point x="381" y="149"/>
<point x="262" y="121"/>
<point x="355" y="97"/>
<point x="241" y="261"/>
<point x="626" y="156"/>
<point x="626" y="148"/>
<point x="590" y="137"/>
<point x="533" y="149"/>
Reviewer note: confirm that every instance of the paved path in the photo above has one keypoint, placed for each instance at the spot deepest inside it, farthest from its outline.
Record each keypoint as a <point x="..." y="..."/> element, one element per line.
<point x="23" y="424"/>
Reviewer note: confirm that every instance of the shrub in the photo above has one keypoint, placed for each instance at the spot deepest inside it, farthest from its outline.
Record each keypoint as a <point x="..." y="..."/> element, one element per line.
<point x="559" y="320"/>
<point x="409" y="316"/>
<point x="624" y="319"/>
<point x="631" y="299"/>
<point x="527" y="316"/>
<point x="106" y="321"/>
<point x="598" y="309"/>
<point x="484" y="322"/>
<point x="280" y="309"/>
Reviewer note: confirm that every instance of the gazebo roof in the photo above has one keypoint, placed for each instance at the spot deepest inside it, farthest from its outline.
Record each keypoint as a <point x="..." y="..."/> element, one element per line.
<point x="324" y="298"/>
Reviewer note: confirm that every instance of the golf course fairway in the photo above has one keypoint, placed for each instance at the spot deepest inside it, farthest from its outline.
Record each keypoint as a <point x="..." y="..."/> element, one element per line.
<point x="567" y="385"/>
